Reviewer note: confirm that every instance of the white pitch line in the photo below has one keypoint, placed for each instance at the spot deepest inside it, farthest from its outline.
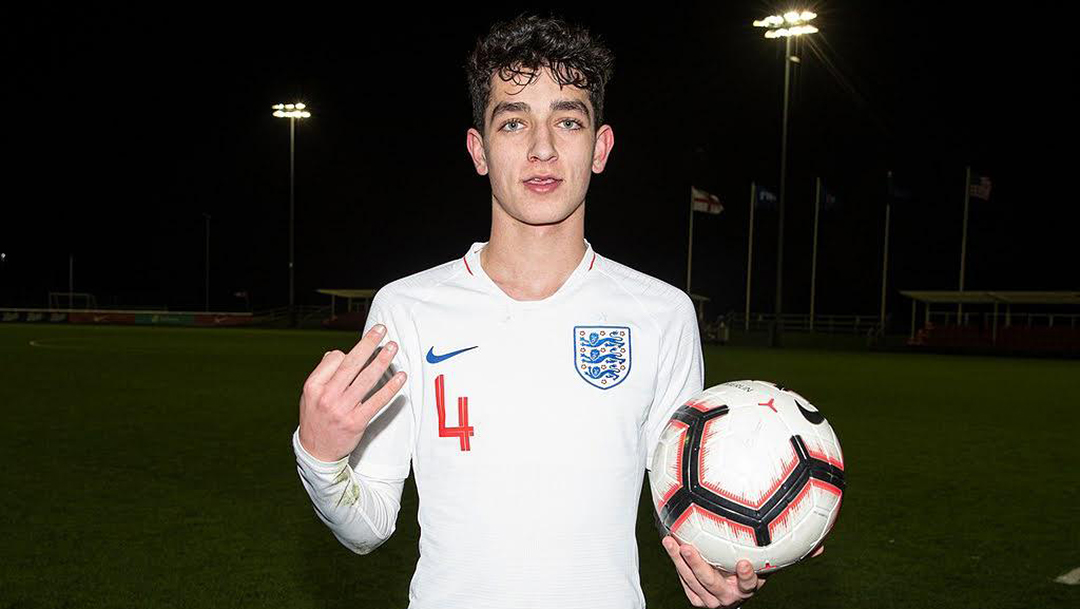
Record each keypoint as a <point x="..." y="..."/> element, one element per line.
<point x="42" y="344"/>
<point x="1071" y="578"/>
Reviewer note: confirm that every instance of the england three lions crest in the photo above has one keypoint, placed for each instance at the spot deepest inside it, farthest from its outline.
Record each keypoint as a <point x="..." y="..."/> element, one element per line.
<point x="602" y="354"/>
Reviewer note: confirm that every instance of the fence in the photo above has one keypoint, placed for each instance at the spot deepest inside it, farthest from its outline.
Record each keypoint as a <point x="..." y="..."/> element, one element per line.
<point x="1005" y="319"/>
<point x="801" y="322"/>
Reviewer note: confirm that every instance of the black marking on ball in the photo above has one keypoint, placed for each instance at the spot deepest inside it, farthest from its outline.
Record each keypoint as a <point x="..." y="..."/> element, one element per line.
<point x="814" y="417"/>
<point x="694" y="493"/>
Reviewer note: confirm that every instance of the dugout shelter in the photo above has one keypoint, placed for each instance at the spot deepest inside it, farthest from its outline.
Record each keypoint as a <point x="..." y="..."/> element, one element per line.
<point x="356" y="304"/>
<point x="1024" y="321"/>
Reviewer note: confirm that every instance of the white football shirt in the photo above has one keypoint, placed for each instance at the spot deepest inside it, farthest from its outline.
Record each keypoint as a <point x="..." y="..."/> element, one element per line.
<point x="528" y="426"/>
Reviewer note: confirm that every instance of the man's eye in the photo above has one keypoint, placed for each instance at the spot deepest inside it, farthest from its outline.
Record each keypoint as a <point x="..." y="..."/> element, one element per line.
<point x="511" y="122"/>
<point x="574" y="124"/>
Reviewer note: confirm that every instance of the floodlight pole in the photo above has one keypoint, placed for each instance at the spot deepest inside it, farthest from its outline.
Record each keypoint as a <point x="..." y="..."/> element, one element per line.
<point x="777" y="327"/>
<point x="788" y="25"/>
<point x="292" y="112"/>
<point x="292" y="216"/>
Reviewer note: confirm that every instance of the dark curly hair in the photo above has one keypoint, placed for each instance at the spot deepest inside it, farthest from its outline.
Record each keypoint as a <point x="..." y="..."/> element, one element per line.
<point x="528" y="42"/>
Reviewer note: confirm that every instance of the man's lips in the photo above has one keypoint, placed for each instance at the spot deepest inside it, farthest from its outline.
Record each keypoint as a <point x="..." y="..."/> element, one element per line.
<point x="542" y="185"/>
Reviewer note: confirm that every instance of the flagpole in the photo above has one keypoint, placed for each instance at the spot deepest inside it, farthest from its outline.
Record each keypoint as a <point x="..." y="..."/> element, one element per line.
<point x="963" y="243"/>
<point x="750" y="255"/>
<point x="885" y="262"/>
<point x="813" y="257"/>
<point x="207" y="289"/>
<point x="690" y="244"/>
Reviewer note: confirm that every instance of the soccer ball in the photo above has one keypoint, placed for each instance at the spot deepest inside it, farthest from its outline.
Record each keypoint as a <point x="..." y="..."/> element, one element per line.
<point x="748" y="470"/>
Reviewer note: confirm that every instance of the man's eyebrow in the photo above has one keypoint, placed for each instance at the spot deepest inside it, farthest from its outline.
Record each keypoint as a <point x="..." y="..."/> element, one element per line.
<point x="569" y="105"/>
<point x="508" y="107"/>
<point x="563" y="105"/>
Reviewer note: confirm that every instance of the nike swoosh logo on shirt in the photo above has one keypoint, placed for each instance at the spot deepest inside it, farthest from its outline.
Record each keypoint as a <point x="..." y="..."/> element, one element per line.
<point x="434" y="359"/>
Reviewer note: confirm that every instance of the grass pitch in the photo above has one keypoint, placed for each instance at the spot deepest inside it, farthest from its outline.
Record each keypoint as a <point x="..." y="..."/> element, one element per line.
<point x="152" y="467"/>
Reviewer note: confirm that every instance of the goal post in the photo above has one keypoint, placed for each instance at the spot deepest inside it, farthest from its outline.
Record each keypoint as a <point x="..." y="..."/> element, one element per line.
<point x="72" y="300"/>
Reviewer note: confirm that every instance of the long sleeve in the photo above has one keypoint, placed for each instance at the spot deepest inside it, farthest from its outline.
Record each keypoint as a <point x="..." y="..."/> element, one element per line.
<point x="358" y="497"/>
<point x="681" y="373"/>
<point x="360" y="511"/>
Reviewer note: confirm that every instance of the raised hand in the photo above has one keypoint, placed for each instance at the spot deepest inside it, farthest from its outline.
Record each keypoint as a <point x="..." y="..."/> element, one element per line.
<point x="332" y="416"/>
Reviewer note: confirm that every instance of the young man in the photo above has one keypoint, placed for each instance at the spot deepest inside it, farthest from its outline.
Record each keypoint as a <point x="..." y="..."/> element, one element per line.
<point x="535" y="375"/>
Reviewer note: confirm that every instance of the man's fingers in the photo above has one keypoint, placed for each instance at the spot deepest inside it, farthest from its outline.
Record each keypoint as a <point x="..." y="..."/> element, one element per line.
<point x="706" y="573"/>
<point x="355" y="360"/>
<point x="818" y="551"/>
<point x="685" y="572"/>
<point x="369" y="376"/>
<point x="747" y="580"/>
<point x="694" y="599"/>
<point x="323" y="372"/>
<point x="366" y="411"/>
<point x="728" y="588"/>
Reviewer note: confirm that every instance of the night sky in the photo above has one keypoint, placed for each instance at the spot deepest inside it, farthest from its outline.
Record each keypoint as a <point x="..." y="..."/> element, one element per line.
<point x="125" y="125"/>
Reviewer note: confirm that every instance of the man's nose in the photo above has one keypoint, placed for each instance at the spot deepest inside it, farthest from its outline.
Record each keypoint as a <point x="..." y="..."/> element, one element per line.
<point x="542" y="147"/>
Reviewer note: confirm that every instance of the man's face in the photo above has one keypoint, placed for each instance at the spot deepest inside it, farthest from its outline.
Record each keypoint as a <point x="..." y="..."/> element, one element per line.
<point x="534" y="134"/>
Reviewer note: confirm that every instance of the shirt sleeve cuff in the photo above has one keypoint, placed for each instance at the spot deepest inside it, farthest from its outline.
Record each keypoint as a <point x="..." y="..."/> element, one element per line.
<point x="316" y="465"/>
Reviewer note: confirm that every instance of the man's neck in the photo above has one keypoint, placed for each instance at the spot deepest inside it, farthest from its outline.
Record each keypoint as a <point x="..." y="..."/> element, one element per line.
<point x="533" y="262"/>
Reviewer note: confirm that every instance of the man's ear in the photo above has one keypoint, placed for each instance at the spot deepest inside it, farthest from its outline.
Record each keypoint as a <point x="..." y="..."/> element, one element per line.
<point x="474" y="142"/>
<point x="605" y="141"/>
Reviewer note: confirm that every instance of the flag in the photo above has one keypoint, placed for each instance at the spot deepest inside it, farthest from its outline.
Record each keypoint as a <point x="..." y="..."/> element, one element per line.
<point x="703" y="201"/>
<point x="766" y="199"/>
<point x="980" y="187"/>
<point x="896" y="193"/>
<point x="828" y="201"/>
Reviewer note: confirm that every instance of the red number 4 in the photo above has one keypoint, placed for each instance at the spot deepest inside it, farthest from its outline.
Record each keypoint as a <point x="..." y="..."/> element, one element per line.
<point x="463" y="430"/>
